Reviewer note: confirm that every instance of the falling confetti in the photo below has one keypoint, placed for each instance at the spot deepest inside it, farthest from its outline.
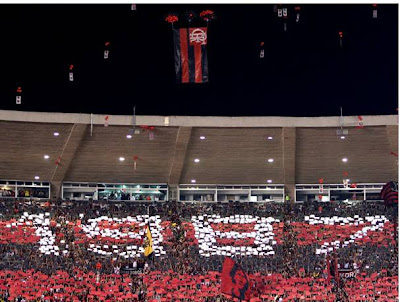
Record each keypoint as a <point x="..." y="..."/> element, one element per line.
<point x="297" y="10"/>
<point x="360" y="123"/>
<point x="340" y="38"/>
<point x="106" y="51"/>
<point x="18" y="98"/>
<point x="262" y="50"/>
<point x="71" y="73"/>
<point x="375" y="11"/>
<point x="321" y="185"/>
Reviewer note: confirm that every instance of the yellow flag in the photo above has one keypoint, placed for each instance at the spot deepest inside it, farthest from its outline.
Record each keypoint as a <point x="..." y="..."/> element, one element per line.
<point x="148" y="243"/>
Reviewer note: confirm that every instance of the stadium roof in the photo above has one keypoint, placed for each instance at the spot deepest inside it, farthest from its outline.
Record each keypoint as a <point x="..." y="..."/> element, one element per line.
<point x="233" y="151"/>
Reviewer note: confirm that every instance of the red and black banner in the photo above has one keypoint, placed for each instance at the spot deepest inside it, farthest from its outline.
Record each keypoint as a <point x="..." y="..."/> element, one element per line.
<point x="190" y="47"/>
<point x="390" y="193"/>
<point x="234" y="281"/>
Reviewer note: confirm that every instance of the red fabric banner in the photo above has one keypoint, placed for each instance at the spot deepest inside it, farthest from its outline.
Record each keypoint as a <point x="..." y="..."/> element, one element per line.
<point x="234" y="281"/>
<point x="328" y="268"/>
<point x="336" y="270"/>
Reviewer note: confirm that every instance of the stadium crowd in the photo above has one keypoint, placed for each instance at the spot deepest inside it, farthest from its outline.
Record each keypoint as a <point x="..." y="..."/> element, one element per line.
<point x="295" y="272"/>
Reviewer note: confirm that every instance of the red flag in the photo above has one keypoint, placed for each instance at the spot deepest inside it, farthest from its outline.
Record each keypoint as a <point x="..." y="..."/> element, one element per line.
<point x="336" y="270"/>
<point x="328" y="268"/>
<point x="234" y="281"/>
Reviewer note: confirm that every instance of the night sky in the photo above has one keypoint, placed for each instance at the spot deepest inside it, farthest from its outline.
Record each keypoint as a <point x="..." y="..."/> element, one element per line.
<point x="304" y="72"/>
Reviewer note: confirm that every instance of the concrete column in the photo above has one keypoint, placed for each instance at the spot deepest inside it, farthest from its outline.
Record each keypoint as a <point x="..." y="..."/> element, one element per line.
<point x="181" y="144"/>
<point x="289" y="161"/>
<point x="393" y="138"/>
<point x="55" y="190"/>
<point x="66" y="156"/>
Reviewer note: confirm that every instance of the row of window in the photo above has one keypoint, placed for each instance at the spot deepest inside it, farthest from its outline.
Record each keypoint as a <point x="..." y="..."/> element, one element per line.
<point x="159" y="192"/>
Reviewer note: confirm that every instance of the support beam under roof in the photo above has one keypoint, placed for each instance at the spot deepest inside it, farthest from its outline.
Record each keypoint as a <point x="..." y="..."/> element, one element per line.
<point x="289" y="161"/>
<point x="181" y="144"/>
<point x="66" y="156"/>
<point x="392" y="135"/>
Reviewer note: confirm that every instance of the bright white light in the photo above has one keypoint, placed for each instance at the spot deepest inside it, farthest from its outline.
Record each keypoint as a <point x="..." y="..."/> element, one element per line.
<point x="46" y="156"/>
<point x="270" y="160"/>
<point x="269" y="181"/>
<point x="56" y="134"/>
<point x="193" y="181"/>
<point x="129" y="136"/>
<point x="270" y="137"/>
<point x="344" y="159"/>
<point x="202" y="137"/>
<point x="37" y="177"/>
<point x="121" y="158"/>
<point x="342" y="137"/>
<point x="196" y="160"/>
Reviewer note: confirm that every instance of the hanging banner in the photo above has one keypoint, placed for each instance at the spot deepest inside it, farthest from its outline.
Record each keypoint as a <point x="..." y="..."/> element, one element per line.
<point x="190" y="48"/>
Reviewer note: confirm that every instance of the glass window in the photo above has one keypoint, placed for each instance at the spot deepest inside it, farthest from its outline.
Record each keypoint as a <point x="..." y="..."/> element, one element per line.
<point x="7" y="191"/>
<point x="373" y="196"/>
<point x="341" y="195"/>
